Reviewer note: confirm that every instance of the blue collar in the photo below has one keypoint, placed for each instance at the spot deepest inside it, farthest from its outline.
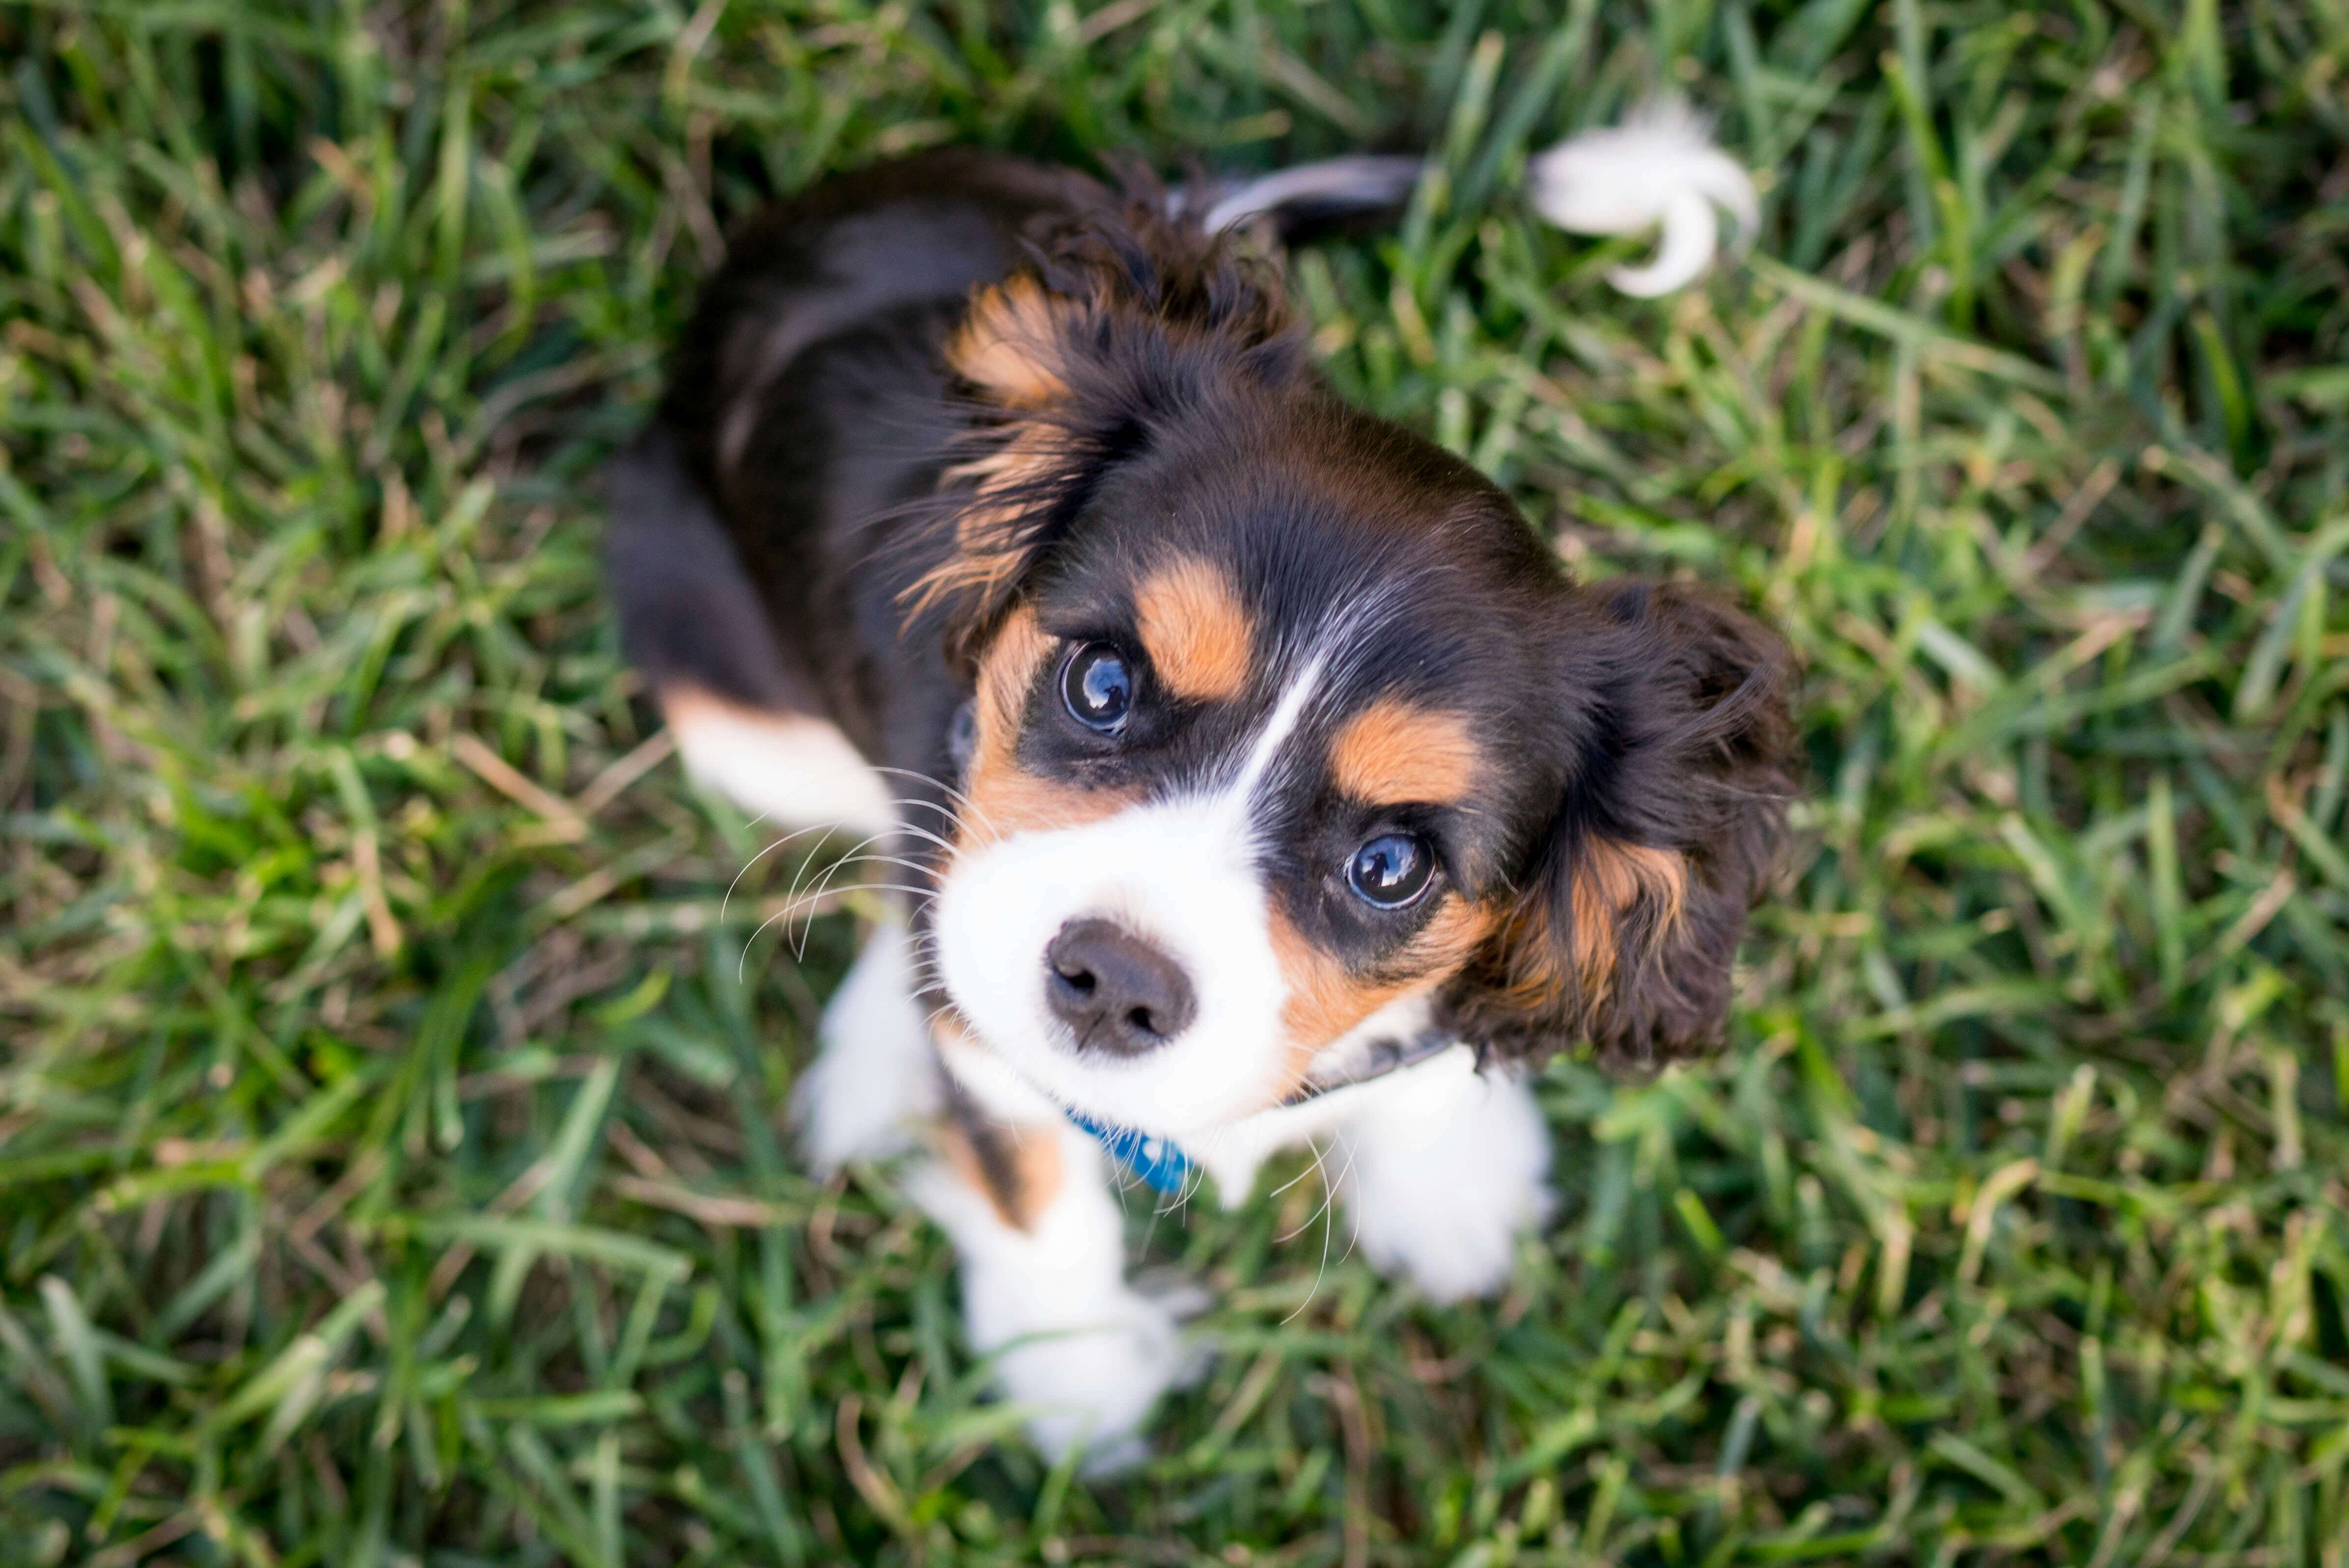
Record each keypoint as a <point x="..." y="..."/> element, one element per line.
<point x="1160" y="1166"/>
<point x="1157" y="1162"/>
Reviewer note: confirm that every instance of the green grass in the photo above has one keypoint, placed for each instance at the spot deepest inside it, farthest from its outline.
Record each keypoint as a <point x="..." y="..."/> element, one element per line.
<point x="392" y="1168"/>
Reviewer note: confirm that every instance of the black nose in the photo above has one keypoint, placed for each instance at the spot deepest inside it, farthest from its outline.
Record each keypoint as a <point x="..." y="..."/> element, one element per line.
<point x="1115" y="992"/>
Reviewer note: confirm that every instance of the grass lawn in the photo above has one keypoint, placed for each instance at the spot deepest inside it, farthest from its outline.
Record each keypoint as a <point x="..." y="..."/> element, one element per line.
<point x="392" y="1164"/>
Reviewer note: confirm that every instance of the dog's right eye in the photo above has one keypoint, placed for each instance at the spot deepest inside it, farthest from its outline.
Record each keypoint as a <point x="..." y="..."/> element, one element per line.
<point x="1098" y="686"/>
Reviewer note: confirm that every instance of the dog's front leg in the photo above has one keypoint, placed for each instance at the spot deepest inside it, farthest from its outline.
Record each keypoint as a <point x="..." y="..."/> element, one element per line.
<point x="875" y="1081"/>
<point x="1041" y="1239"/>
<point x="1441" y="1169"/>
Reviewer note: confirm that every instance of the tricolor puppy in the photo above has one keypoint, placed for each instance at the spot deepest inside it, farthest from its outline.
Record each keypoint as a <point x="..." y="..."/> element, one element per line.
<point x="1262" y="778"/>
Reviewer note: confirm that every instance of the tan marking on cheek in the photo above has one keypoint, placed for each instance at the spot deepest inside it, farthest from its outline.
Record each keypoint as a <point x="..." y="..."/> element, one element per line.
<point x="1009" y="345"/>
<point x="1611" y="877"/>
<point x="1200" y="638"/>
<point x="1004" y="797"/>
<point x="1017" y="1168"/>
<point x="1326" y="999"/>
<point x="1395" y="753"/>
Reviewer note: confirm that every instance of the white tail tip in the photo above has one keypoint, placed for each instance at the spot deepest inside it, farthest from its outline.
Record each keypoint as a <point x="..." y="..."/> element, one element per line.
<point x="1659" y="168"/>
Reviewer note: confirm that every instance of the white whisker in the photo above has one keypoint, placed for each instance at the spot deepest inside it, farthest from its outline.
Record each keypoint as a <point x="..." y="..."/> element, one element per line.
<point x="778" y="844"/>
<point x="1329" y="1195"/>
<point x="1315" y="1168"/>
<point x="914" y="866"/>
<point x="742" y="964"/>
<point x="941" y="783"/>
<point x="854" y="850"/>
<point x="799" y="954"/>
<point x="793" y="902"/>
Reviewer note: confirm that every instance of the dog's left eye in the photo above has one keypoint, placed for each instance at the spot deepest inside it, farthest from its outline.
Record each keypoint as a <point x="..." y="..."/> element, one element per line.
<point x="1098" y="686"/>
<point x="1391" y="870"/>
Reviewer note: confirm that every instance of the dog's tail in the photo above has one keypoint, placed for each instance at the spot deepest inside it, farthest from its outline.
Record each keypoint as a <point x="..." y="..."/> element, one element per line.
<point x="1659" y="170"/>
<point x="1311" y="195"/>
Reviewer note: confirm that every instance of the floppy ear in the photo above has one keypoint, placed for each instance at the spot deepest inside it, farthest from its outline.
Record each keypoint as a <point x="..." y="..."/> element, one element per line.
<point x="1630" y="907"/>
<point x="1026" y="459"/>
<point x="1124" y="318"/>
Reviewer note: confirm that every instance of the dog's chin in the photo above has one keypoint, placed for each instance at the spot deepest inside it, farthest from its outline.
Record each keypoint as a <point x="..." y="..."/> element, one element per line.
<point x="1174" y="1094"/>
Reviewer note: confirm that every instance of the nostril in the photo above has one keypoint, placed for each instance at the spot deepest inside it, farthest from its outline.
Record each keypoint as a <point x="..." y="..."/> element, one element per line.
<point x="1140" y="1019"/>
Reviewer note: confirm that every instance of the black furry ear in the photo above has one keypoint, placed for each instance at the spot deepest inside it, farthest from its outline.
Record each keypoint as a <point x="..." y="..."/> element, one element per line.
<point x="1124" y="317"/>
<point x="1632" y="906"/>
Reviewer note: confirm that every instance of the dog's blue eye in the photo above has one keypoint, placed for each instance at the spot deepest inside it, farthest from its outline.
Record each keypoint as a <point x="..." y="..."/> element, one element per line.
<point x="1098" y="686"/>
<point x="1391" y="869"/>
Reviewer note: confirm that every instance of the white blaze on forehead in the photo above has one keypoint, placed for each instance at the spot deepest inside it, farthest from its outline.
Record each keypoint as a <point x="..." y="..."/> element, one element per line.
<point x="1346" y="634"/>
<point x="1279" y="726"/>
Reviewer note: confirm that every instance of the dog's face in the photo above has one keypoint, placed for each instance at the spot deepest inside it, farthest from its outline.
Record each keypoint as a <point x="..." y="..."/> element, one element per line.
<point x="1288" y="730"/>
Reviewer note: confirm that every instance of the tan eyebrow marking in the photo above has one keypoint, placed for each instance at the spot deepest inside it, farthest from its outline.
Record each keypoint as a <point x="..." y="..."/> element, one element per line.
<point x="1395" y="753"/>
<point x="1200" y="638"/>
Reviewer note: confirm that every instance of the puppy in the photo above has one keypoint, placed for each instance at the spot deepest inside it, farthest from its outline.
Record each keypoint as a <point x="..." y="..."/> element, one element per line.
<point x="1256" y="775"/>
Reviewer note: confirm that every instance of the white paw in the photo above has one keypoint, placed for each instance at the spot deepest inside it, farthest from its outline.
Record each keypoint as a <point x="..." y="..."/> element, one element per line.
<point x="1440" y="1184"/>
<point x="1088" y="1388"/>
<point x="874" y="1076"/>
<point x="1468" y="1253"/>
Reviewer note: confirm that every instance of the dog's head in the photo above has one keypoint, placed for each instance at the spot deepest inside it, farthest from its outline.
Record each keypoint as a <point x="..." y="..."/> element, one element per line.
<point x="1289" y="729"/>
